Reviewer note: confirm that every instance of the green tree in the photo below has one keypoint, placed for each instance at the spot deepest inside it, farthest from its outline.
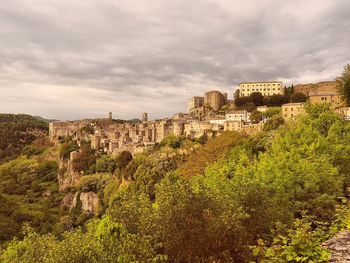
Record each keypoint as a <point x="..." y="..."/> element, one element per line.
<point x="343" y="82"/>
<point x="256" y="116"/>
<point x="106" y="164"/>
<point x="298" y="97"/>
<point x="301" y="244"/>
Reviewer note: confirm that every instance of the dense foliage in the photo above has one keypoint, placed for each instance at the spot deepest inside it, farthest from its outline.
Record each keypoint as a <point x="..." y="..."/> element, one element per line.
<point x="272" y="197"/>
<point x="257" y="99"/>
<point x="17" y="131"/>
<point x="343" y="83"/>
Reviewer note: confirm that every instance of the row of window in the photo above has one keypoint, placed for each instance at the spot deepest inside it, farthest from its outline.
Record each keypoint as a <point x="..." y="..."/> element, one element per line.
<point x="291" y="109"/>
<point x="257" y="85"/>
<point x="262" y="89"/>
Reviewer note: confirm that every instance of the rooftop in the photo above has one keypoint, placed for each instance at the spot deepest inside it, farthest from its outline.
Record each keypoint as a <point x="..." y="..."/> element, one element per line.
<point x="293" y="104"/>
<point x="236" y="112"/>
<point x="253" y="82"/>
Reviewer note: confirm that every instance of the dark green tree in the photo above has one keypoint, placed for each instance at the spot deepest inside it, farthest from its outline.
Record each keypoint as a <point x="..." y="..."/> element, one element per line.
<point x="343" y="82"/>
<point x="298" y="97"/>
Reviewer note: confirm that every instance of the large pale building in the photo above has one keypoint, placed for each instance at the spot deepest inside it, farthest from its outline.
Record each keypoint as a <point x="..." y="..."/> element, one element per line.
<point x="266" y="88"/>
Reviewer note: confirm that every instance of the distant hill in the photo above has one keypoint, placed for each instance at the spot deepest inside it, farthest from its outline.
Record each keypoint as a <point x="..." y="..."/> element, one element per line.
<point x="329" y="86"/>
<point x="44" y="120"/>
<point x="17" y="131"/>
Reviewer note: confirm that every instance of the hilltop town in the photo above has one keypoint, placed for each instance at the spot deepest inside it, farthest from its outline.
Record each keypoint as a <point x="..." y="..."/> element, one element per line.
<point x="207" y="115"/>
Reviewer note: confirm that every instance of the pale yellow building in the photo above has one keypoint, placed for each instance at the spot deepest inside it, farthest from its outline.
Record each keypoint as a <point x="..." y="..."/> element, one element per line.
<point x="291" y="110"/>
<point x="266" y="88"/>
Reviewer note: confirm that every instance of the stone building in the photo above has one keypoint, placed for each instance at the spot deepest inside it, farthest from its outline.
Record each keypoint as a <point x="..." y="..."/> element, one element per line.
<point x="145" y="117"/>
<point x="215" y="99"/>
<point x="266" y="88"/>
<point x="238" y="115"/>
<point x="95" y="142"/>
<point x="233" y="126"/>
<point x="197" y="129"/>
<point x="219" y="120"/>
<point x="195" y="102"/>
<point x="334" y="98"/>
<point x="291" y="110"/>
<point x="59" y="128"/>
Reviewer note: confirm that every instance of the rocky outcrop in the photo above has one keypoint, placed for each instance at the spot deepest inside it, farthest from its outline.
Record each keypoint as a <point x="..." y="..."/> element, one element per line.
<point x="67" y="177"/>
<point x="339" y="246"/>
<point x="89" y="202"/>
<point x="67" y="200"/>
<point x="86" y="201"/>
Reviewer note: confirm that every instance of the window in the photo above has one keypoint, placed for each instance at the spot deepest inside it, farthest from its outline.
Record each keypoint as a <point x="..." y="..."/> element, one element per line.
<point x="273" y="84"/>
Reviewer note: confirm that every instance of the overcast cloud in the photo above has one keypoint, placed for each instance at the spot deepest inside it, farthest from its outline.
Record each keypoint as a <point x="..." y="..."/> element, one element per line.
<point x="69" y="59"/>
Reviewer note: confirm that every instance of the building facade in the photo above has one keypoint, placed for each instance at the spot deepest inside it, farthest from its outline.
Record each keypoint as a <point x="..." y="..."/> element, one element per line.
<point x="238" y="115"/>
<point x="195" y="102"/>
<point x="266" y="88"/>
<point x="215" y="99"/>
<point x="326" y="96"/>
<point x="291" y="110"/>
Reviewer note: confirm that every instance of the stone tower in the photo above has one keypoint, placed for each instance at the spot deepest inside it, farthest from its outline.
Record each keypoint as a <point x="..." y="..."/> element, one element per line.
<point x="144" y="117"/>
<point x="110" y="116"/>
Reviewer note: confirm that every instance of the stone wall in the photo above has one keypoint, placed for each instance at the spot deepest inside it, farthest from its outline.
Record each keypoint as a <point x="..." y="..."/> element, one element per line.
<point x="339" y="246"/>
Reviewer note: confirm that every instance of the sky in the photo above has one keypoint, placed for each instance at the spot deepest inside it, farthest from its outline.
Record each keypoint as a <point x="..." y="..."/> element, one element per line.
<point x="64" y="59"/>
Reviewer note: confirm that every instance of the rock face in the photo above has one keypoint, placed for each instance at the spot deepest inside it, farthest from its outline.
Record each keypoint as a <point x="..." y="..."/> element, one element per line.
<point x="88" y="201"/>
<point x="339" y="246"/>
<point x="67" y="200"/>
<point x="67" y="177"/>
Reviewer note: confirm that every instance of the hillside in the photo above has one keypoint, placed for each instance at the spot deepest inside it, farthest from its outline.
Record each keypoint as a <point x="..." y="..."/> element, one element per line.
<point x="18" y="131"/>
<point x="270" y="197"/>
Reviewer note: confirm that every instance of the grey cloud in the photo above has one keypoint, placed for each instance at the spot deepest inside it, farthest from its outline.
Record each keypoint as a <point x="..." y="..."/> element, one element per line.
<point x="116" y="55"/>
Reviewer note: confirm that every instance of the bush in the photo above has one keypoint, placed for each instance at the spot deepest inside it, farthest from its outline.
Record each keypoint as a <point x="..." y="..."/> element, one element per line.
<point x="66" y="148"/>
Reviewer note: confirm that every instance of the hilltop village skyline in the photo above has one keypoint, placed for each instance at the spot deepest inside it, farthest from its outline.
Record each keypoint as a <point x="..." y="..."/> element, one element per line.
<point x="207" y="115"/>
<point x="137" y="115"/>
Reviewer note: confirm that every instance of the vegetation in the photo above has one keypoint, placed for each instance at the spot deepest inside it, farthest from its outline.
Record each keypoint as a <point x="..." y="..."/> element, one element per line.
<point x="272" y="197"/>
<point x="343" y="83"/>
<point x="256" y="99"/>
<point x="18" y="131"/>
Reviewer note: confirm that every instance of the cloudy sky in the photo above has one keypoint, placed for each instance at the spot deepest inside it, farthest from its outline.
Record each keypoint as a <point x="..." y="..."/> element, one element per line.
<point x="67" y="59"/>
